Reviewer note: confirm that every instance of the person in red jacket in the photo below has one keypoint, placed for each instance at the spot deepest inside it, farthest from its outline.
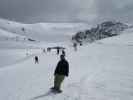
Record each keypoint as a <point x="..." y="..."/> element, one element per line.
<point x="61" y="71"/>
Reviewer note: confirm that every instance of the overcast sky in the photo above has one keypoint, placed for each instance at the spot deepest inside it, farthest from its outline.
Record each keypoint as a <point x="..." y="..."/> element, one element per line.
<point x="32" y="11"/>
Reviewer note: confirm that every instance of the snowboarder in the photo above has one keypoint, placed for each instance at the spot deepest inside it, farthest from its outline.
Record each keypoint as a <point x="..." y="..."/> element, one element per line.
<point x="36" y="60"/>
<point x="62" y="70"/>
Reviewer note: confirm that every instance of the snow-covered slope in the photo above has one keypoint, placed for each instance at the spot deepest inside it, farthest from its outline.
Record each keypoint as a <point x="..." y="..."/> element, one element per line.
<point x="11" y="40"/>
<point x="103" y="30"/>
<point x="98" y="71"/>
<point x="43" y="31"/>
<point x="18" y="35"/>
<point x="126" y="38"/>
<point x="6" y="36"/>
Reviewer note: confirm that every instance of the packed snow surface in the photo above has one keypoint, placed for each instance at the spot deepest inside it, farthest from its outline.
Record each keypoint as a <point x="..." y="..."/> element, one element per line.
<point x="98" y="71"/>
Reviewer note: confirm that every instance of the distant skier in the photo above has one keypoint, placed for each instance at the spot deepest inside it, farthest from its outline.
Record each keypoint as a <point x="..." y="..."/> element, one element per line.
<point x="80" y="43"/>
<point x="48" y="49"/>
<point x="58" y="51"/>
<point x="75" y="46"/>
<point x="62" y="70"/>
<point x="36" y="60"/>
<point x="44" y="51"/>
<point x="63" y="52"/>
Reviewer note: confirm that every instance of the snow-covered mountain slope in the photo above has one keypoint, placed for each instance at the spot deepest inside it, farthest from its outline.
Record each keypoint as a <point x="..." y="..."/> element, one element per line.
<point x="43" y="31"/>
<point x="126" y="38"/>
<point x="10" y="40"/>
<point x="20" y="37"/>
<point x="97" y="72"/>
<point x="6" y="36"/>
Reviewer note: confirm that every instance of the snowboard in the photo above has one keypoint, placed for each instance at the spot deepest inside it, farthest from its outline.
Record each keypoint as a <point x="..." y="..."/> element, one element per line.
<point x="53" y="90"/>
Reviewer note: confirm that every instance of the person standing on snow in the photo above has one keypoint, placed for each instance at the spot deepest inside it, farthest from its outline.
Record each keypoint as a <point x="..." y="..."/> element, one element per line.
<point x="75" y="46"/>
<point x="61" y="71"/>
<point x="63" y="52"/>
<point x="58" y="51"/>
<point x="36" y="60"/>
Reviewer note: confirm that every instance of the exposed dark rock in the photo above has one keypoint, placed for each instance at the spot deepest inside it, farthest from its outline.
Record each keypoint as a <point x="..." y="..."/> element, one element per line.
<point x="103" y="30"/>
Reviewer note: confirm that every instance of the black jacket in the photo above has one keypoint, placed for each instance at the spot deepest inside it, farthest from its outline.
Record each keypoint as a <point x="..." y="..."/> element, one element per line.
<point x="62" y="68"/>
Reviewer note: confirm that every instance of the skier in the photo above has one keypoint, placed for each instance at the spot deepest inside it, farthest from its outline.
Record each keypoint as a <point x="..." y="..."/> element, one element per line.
<point x="62" y="70"/>
<point x="44" y="50"/>
<point x="75" y="46"/>
<point x="36" y="60"/>
<point x="63" y="52"/>
<point x="48" y="49"/>
<point x="58" y="51"/>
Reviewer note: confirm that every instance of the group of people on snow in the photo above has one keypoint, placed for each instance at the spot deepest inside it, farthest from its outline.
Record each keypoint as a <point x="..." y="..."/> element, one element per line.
<point x="62" y="67"/>
<point x="61" y="71"/>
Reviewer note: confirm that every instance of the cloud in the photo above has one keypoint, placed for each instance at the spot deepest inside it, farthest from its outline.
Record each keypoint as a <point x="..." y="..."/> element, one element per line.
<point x="66" y="10"/>
<point x="70" y="11"/>
<point x="114" y="9"/>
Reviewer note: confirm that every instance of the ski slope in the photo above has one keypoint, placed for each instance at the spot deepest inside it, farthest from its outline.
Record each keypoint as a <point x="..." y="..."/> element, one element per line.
<point x="16" y="38"/>
<point x="98" y="71"/>
<point x="48" y="32"/>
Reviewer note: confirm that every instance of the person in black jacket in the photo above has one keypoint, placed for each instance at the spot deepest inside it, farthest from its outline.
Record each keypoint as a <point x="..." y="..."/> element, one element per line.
<point x="62" y="70"/>
<point x="36" y="60"/>
<point x="63" y="52"/>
